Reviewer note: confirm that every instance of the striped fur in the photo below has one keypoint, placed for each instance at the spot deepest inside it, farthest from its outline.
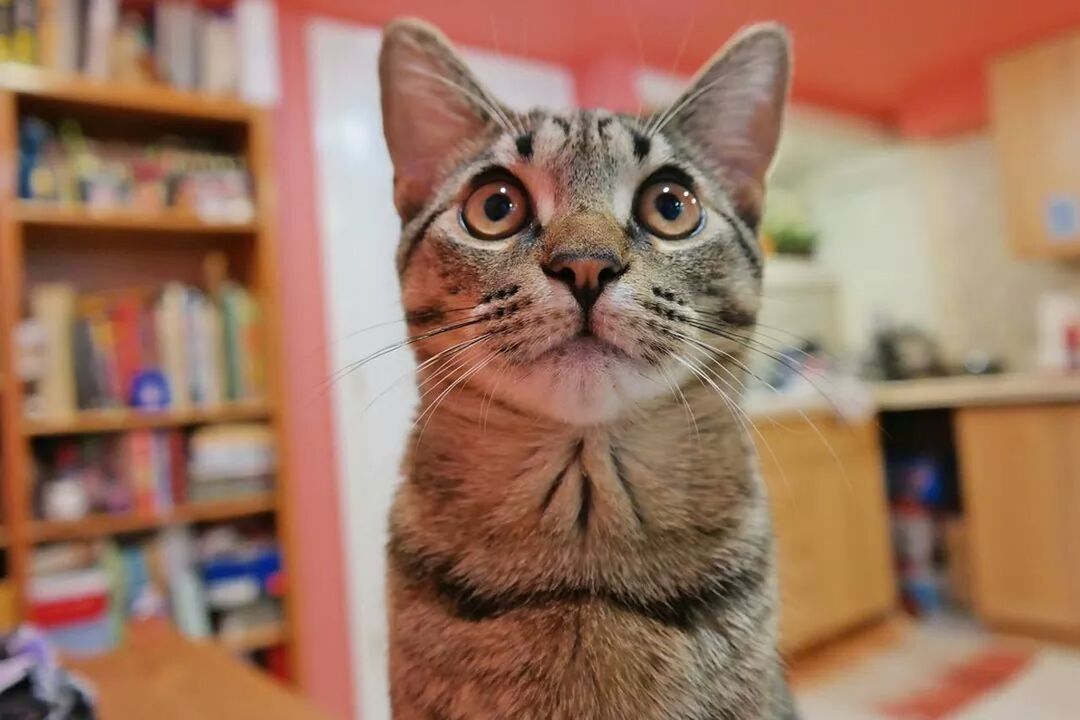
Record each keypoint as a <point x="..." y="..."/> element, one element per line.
<point x="582" y="533"/>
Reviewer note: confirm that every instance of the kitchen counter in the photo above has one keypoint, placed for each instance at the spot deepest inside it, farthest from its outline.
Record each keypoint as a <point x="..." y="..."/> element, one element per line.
<point x="977" y="391"/>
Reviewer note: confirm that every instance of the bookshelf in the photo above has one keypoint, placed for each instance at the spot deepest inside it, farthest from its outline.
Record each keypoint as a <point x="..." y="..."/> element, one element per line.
<point x="99" y="250"/>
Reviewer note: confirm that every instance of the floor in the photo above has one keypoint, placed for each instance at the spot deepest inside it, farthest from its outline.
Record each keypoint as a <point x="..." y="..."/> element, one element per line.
<point x="946" y="669"/>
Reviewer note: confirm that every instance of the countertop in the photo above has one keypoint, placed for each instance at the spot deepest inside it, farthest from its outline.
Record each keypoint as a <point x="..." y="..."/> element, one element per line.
<point x="978" y="390"/>
<point x="864" y="399"/>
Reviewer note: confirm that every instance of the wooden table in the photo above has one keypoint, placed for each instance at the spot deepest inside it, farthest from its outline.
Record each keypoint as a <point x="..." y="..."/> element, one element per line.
<point x="159" y="674"/>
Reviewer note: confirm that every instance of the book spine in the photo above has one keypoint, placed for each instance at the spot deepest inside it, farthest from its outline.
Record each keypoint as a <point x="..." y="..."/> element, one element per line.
<point x="24" y="41"/>
<point x="178" y="474"/>
<point x="139" y="465"/>
<point x="163" y="486"/>
<point x="7" y="29"/>
<point x="53" y="307"/>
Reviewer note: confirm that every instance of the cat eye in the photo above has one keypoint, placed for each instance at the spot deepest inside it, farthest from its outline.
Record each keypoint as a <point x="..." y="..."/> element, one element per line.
<point x="669" y="209"/>
<point x="496" y="210"/>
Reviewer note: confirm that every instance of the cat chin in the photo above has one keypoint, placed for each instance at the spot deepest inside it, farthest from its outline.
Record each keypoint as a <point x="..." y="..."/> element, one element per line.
<point x="580" y="393"/>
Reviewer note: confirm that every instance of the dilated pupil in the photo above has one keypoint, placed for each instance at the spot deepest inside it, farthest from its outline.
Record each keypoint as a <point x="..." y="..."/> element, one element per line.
<point x="497" y="207"/>
<point x="669" y="206"/>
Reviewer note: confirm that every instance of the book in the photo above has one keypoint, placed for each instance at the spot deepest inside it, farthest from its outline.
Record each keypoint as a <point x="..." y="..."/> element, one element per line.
<point x="53" y="307"/>
<point x="176" y="30"/>
<point x="170" y="315"/>
<point x="101" y="22"/>
<point x="162" y="472"/>
<point x="126" y="315"/>
<point x="244" y="367"/>
<point x="24" y="37"/>
<point x="217" y="58"/>
<point x="7" y="29"/>
<point x="88" y="390"/>
<point x="138" y="464"/>
<point x="65" y="47"/>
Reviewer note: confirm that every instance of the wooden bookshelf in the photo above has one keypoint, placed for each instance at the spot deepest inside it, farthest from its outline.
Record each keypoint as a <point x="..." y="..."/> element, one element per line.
<point x="147" y="99"/>
<point x="122" y="420"/>
<point x="87" y="245"/>
<point x="95" y="526"/>
<point x="77" y="217"/>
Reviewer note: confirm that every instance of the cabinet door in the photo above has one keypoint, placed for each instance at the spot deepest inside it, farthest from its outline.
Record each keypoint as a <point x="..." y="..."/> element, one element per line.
<point x="1020" y="468"/>
<point x="1035" y="111"/>
<point x="827" y="492"/>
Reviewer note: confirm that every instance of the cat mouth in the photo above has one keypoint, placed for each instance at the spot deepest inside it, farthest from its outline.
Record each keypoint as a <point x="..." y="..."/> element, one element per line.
<point x="584" y="346"/>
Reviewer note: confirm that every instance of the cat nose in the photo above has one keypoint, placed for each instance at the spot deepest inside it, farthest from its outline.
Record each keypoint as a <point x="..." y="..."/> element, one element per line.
<point x="585" y="275"/>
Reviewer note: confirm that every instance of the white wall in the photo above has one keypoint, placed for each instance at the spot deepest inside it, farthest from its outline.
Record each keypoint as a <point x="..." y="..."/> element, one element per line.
<point x="873" y="222"/>
<point x="359" y="231"/>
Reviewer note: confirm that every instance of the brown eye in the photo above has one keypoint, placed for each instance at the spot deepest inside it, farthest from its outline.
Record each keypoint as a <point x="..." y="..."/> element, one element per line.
<point x="669" y="210"/>
<point x="496" y="210"/>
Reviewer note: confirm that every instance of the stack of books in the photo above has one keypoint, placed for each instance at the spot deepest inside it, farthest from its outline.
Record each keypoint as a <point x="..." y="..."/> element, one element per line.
<point x="230" y="460"/>
<point x="176" y="348"/>
<point x="219" y="583"/>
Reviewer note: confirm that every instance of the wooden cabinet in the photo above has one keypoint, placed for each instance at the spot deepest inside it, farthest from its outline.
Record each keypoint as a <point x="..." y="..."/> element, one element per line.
<point x="1035" y="113"/>
<point x="1020" y="468"/>
<point x="828" y="497"/>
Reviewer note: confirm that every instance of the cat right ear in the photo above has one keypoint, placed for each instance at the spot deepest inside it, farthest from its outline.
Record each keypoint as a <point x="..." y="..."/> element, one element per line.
<point x="733" y="110"/>
<point x="431" y="104"/>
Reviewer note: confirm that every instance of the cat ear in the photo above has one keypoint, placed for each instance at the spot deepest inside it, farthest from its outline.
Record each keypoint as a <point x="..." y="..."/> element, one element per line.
<point x="431" y="104"/>
<point x="733" y="110"/>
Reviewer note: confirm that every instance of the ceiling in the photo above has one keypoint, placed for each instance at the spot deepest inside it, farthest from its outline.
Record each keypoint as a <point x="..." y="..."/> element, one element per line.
<point x="915" y="65"/>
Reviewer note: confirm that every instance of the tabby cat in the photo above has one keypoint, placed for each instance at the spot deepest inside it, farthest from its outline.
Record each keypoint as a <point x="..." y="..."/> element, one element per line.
<point x="582" y="533"/>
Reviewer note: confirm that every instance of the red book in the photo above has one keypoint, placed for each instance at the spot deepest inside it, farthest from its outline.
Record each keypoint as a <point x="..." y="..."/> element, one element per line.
<point x="139" y="470"/>
<point x="58" y="613"/>
<point x="125" y="319"/>
<point x="178" y="467"/>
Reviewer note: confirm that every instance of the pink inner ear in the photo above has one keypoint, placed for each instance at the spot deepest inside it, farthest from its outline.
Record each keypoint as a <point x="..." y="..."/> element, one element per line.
<point x="426" y="118"/>
<point x="734" y="110"/>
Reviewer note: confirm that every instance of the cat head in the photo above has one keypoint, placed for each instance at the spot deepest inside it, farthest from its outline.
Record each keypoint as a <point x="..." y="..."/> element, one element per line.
<point x="575" y="264"/>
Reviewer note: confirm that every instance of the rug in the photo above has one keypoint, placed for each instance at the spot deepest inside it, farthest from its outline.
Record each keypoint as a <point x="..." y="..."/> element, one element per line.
<point x="943" y="671"/>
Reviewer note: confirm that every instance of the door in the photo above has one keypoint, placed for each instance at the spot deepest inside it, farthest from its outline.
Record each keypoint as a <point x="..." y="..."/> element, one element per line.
<point x="1020" y="468"/>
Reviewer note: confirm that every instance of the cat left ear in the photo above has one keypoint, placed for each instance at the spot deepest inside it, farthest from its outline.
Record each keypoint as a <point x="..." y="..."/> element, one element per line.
<point x="431" y="104"/>
<point x="734" y="108"/>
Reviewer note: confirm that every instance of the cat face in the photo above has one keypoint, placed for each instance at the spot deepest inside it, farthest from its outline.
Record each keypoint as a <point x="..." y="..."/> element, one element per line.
<point x="576" y="264"/>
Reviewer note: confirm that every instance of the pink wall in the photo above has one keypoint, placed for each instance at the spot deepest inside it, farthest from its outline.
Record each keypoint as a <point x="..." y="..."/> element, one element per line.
<point x="324" y="661"/>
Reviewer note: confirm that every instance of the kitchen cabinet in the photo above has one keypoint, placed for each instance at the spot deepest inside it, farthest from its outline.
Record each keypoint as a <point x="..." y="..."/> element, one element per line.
<point x="1020" y="473"/>
<point x="1035" y="113"/>
<point x="827" y="491"/>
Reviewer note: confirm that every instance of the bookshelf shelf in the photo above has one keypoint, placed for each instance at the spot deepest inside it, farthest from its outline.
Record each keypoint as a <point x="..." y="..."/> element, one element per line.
<point x="43" y="214"/>
<point x="150" y="99"/>
<point x="259" y="639"/>
<point x="44" y="531"/>
<point x="107" y="421"/>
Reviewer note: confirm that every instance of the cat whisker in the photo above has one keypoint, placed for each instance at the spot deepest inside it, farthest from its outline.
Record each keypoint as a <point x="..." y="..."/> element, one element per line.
<point x="802" y="413"/>
<point x="407" y="318"/>
<point x="431" y="409"/>
<point x="744" y="419"/>
<point x="455" y="349"/>
<point x="678" y="394"/>
<point x="353" y="366"/>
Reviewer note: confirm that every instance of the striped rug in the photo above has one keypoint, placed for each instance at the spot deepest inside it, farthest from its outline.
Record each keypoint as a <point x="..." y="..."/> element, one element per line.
<point x="945" y="671"/>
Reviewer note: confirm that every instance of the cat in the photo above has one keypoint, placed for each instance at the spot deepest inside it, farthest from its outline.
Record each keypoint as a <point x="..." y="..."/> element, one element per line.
<point x="581" y="533"/>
